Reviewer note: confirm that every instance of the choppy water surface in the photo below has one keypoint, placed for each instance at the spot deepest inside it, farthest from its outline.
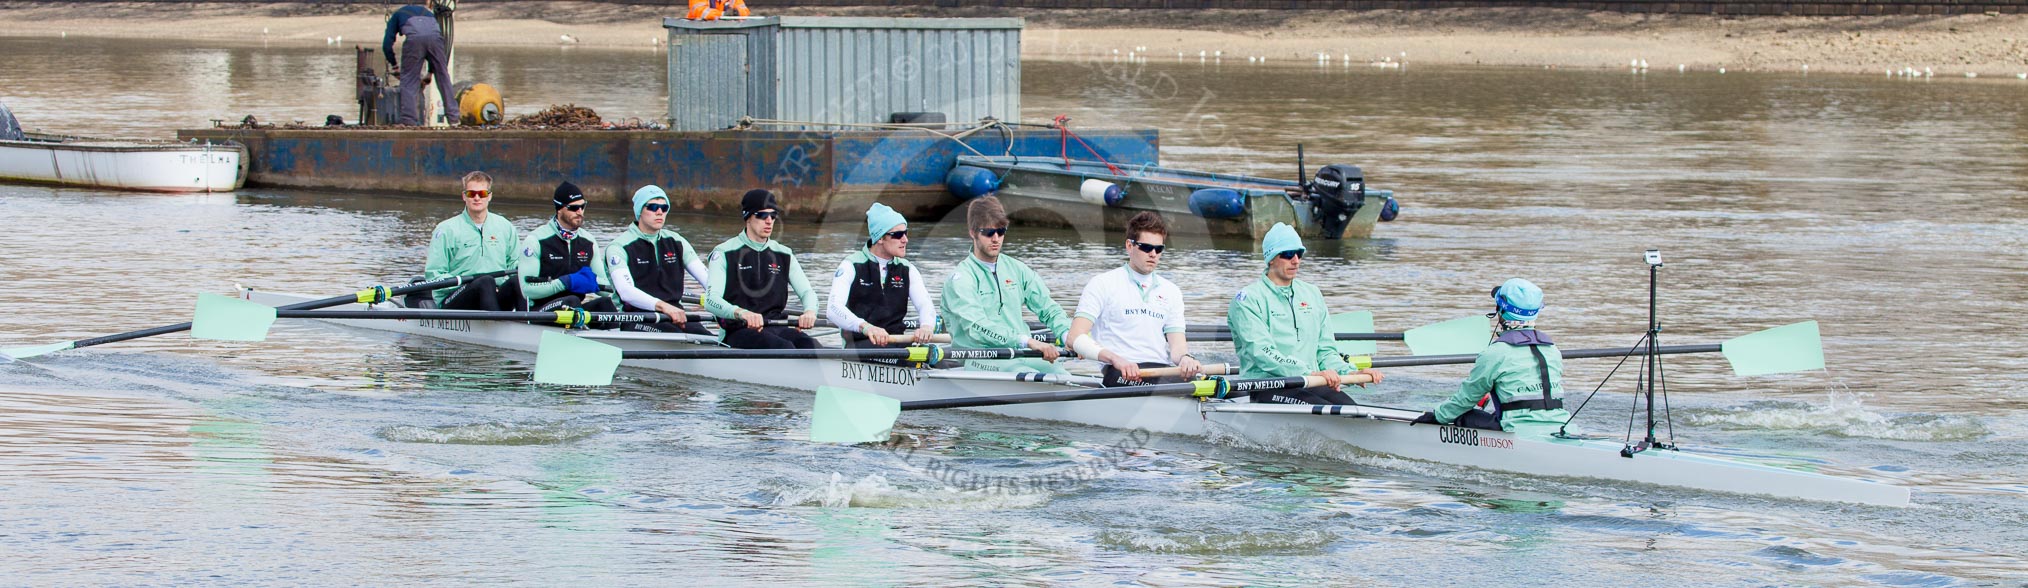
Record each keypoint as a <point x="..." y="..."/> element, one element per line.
<point x="1890" y="211"/>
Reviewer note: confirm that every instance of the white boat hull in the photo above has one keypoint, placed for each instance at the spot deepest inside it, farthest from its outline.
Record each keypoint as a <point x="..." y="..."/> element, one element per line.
<point x="1381" y="430"/>
<point x="1543" y="454"/>
<point x="125" y="165"/>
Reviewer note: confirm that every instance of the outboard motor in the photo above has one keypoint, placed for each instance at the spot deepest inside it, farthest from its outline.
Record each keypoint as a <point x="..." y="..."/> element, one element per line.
<point x="379" y="98"/>
<point x="1335" y="196"/>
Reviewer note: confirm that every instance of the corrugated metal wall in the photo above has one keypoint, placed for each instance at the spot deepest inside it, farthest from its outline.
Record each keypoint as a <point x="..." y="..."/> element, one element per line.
<point x="720" y="71"/>
<point x="711" y="96"/>
<point x="847" y="70"/>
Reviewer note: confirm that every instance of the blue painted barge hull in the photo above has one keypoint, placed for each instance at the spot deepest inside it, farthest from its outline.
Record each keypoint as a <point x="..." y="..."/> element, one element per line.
<point x="816" y="171"/>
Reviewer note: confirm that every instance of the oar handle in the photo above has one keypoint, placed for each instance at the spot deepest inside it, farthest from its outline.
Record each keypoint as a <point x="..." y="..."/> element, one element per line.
<point x="409" y="289"/>
<point x="1211" y="387"/>
<point x="793" y="311"/>
<point x="712" y="318"/>
<point x="565" y="317"/>
<point x="1209" y="369"/>
<point x="1295" y="382"/>
<point x="919" y="355"/>
<point x="656" y="317"/>
<point x="1227" y="336"/>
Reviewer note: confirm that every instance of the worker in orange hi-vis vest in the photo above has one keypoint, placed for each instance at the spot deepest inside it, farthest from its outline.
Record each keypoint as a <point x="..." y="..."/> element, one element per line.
<point x="713" y="9"/>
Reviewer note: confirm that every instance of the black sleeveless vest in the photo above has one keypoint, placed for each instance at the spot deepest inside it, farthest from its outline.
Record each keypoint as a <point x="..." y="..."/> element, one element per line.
<point x="561" y="258"/>
<point x="881" y="303"/>
<point x="657" y="268"/>
<point x="756" y="280"/>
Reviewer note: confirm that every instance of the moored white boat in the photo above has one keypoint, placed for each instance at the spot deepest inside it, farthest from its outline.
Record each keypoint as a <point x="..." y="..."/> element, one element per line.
<point x="164" y="166"/>
<point x="1377" y="429"/>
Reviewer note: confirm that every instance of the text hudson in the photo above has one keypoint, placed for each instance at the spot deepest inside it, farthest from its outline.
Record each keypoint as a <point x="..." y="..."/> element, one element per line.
<point x="1468" y="436"/>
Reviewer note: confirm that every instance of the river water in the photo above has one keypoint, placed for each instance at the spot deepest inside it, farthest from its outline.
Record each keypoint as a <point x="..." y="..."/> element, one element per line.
<point x="1892" y="211"/>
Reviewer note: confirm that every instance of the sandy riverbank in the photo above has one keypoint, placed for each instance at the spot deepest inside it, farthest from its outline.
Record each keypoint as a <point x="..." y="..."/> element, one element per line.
<point x="1989" y="45"/>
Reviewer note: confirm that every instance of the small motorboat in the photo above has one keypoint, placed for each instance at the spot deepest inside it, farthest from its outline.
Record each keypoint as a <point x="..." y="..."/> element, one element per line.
<point x="122" y="164"/>
<point x="1054" y="190"/>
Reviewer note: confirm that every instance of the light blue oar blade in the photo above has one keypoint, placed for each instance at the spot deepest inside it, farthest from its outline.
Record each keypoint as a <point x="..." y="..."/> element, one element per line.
<point x="1463" y="336"/>
<point x="1791" y="348"/>
<point x="225" y="318"/>
<point x="850" y="416"/>
<point x="27" y="352"/>
<point x="1360" y="321"/>
<point x="571" y="360"/>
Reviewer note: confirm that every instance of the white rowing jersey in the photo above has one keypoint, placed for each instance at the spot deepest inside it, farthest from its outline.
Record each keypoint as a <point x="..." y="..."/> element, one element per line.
<point x="1132" y="314"/>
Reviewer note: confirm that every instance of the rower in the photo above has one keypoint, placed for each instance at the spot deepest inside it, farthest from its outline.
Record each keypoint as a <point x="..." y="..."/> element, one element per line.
<point x="1280" y="327"/>
<point x="751" y="278"/>
<point x="474" y="242"/>
<point x="983" y="298"/>
<point x="647" y="263"/>
<point x="1521" y="370"/>
<point x="1129" y="317"/>
<point x="559" y="261"/>
<point x="873" y="288"/>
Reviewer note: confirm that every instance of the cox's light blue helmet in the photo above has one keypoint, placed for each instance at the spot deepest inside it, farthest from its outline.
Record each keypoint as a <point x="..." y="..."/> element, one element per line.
<point x="1518" y="300"/>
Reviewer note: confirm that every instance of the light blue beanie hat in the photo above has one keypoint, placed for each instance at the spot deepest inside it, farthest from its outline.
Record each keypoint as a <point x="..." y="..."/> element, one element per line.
<point x="646" y="193"/>
<point x="879" y="220"/>
<point x="1280" y="238"/>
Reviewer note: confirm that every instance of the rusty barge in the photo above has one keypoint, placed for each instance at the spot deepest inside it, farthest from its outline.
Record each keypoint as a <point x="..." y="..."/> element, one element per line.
<point x="834" y="113"/>
<point x="817" y="171"/>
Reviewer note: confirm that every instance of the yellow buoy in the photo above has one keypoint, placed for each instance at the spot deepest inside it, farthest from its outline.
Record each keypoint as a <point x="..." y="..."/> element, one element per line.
<point x="480" y="104"/>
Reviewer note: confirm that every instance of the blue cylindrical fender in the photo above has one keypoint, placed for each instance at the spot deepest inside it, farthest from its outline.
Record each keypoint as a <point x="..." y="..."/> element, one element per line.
<point x="1217" y="203"/>
<point x="1101" y="192"/>
<point x="968" y="182"/>
<point x="1390" y="210"/>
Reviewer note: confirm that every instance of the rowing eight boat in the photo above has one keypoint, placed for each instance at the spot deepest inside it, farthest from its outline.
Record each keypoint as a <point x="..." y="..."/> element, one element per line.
<point x="1377" y="429"/>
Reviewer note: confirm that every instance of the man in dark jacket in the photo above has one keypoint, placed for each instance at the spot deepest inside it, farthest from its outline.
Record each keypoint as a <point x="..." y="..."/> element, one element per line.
<point x="424" y="47"/>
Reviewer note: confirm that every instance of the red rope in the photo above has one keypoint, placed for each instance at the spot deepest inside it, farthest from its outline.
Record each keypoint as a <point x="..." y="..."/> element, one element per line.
<point x="1063" y="144"/>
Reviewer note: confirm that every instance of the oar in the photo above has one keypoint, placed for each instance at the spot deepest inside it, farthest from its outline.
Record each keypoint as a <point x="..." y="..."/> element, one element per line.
<point x="821" y="316"/>
<point x="577" y="361"/>
<point x="367" y="296"/>
<point x="842" y="415"/>
<point x="1354" y="336"/>
<point x="1355" y="339"/>
<point x="1341" y="410"/>
<point x="1788" y="348"/>
<point x="1212" y="369"/>
<point x="230" y="319"/>
<point x="1348" y="326"/>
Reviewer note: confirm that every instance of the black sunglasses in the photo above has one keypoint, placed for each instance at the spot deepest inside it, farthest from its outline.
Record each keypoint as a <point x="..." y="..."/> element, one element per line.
<point x="901" y="234"/>
<point x="1294" y="254"/>
<point x="1146" y="248"/>
<point x="574" y="207"/>
<point x="656" y="208"/>
<point x="767" y="214"/>
<point x="993" y="232"/>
